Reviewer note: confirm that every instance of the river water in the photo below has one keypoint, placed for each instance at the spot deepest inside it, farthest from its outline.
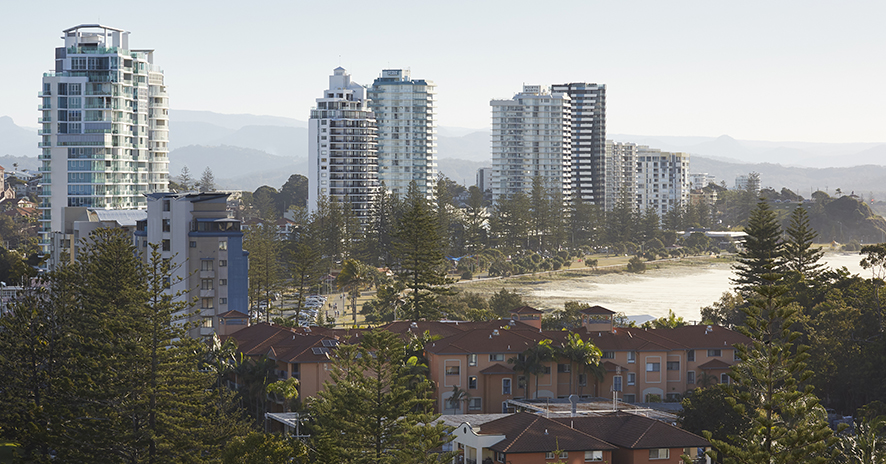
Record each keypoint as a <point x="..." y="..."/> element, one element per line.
<point x="685" y="290"/>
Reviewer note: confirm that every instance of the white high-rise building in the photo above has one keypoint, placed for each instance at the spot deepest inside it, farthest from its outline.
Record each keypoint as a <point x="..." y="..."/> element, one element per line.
<point x="621" y="173"/>
<point x="531" y="136"/>
<point x="342" y="147"/>
<point x="589" y="167"/>
<point x="662" y="179"/>
<point x="407" y="140"/>
<point x="105" y="124"/>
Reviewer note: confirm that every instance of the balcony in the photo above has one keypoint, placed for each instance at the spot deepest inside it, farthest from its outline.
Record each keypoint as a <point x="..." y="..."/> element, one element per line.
<point x="43" y="120"/>
<point x="207" y="274"/>
<point x="207" y="293"/>
<point x="44" y="94"/>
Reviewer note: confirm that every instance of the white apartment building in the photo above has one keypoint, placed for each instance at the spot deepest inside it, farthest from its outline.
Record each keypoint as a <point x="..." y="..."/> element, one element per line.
<point x="407" y="132"/>
<point x="343" y="147"/>
<point x="662" y="179"/>
<point x="104" y="126"/>
<point x="700" y="180"/>
<point x="589" y="167"/>
<point x="621" y="173"/>
<point x="531" y="136"/>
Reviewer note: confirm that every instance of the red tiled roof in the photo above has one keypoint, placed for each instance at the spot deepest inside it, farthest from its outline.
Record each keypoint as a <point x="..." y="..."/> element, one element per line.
<point x="485" y="341"/>
<point x="698" y="336"/>
<point x="418" y="328"/>
<point x="530" y="433"/>
<point x="233" y="313"/>
<point x="680" y="338"/>
<point x="714" y="364"/>
<point x="281" y="343"/>
<point x="597" y="309"/>
<point x="526" y="310"/>
<point x="611" y="366"/>
<point x="634" y="432"/>
<point x="497" y="369"/>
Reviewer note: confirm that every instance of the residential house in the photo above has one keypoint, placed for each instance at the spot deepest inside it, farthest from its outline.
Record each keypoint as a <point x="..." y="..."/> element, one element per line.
<point x="613" y="437"/>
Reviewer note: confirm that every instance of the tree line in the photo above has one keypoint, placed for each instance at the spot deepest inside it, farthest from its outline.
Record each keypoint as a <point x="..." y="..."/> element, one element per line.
<point x="817" y="341"/>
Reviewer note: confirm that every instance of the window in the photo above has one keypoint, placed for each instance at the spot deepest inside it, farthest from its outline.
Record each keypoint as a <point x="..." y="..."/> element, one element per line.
<point x="497" y="357"/>
<point x="474" y="404"/>
<point x="632" y="378"/>
<point x="505" y="386"/>
<point x="659" y="453"/>
<point x="206" y="284"/>
<point x="223" y="245"/>
<point x="193" y="244"/>
<point x="735" y="356"/>
<point x="609" y="355"/>
<point x="165" y="205"/>
<point x="564" y="368"/>
<point x="222" y="301"/>
<point x="500" y="457"/>
<point x="690" y="377"/>
<point x="206" y="303"/>
<point x="673" y="365"/>
<point x="547" y="370"/>
<point x="724" y="378"/>
<point x="653" y="367"/>
<point x="591" y="456"/>
<point x="616" y="383"/>
<point x="166" y="245"/>
<point x="564" y="454"/>
<point x="714" y="353"/>
<point x="549" y="455"/>
<point x="630" y="398"/>
<point x="166" y="227"/>
<point x="632" y="357"/>
<point x="690" y="355"/>
<point x="472" y="382"/>
<point x="206" y="322"/>
<point x="206" y="265"/>
<point x="452" y="370"/>
<point x="582" y="380"/>
<point x="222" y="263"/>
<point x="222" y="282"/>
<point x="472" y="360"/>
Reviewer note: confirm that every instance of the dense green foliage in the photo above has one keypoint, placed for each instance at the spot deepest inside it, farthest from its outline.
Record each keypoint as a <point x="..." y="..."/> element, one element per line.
<point x="376" y="409"/>
<point x="95" y="367"/>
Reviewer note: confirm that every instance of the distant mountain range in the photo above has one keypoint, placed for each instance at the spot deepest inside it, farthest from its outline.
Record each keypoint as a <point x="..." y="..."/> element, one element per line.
<point x="246" y="151"/>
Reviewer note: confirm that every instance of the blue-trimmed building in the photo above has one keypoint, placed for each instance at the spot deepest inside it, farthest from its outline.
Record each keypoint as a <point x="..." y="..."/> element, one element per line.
<point x="206" y="246"/>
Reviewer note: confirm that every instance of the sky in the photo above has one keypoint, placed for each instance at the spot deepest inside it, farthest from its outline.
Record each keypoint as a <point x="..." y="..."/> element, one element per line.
<point x="807" y="71"/>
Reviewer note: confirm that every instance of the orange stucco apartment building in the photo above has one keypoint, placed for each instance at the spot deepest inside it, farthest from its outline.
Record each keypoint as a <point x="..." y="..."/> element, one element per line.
<point x="641" y="365"/>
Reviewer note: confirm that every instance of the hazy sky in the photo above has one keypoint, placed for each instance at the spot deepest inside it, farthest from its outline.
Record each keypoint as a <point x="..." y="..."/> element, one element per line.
<point x="763" y="70"/>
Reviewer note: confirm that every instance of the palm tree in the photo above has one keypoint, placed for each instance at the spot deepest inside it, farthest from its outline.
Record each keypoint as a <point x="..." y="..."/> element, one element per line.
<point x="533" y="359"/>
<point x="867" y="444"/>
<point x="354" y="276"/>
<point x="458" y="396"/>
<point x="580" y="353"/>
<point x="520" y="365"/>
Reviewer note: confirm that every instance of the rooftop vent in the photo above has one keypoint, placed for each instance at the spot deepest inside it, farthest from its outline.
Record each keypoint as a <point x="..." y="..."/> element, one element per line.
<point x="414" y="325"/>
<point x="495" y="332"/>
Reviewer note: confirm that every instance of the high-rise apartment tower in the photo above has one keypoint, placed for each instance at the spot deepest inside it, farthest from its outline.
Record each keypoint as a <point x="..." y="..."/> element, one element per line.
<point x="105" y="123"/>
<point x="342" y="147"/>
<point x="407" y="140"/>
<point x="532" y="137"/>
<point x="588" y="140"/>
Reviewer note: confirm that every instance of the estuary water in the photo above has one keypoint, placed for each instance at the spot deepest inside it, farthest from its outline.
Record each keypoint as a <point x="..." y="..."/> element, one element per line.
<point x="685" y="290"/>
